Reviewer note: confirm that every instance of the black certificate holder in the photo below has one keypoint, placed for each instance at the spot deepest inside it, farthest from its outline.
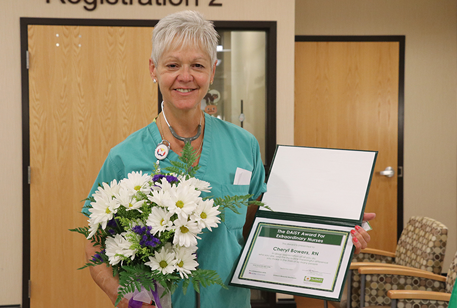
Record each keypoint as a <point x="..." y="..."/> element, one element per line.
<point x="310" y="186"/>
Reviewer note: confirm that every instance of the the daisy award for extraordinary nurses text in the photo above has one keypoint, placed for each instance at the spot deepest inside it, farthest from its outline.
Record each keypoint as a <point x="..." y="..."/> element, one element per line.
<point x="296" y="256"/>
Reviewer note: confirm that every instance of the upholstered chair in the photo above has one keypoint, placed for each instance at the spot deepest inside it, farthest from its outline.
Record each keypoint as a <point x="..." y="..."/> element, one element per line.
<point x="422" y="246"/>
<point x="426" y="299"/>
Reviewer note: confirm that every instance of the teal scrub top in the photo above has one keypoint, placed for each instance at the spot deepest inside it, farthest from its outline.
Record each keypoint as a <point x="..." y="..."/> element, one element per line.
<point x="453" y="301"/>
<point x="226" y="147"/>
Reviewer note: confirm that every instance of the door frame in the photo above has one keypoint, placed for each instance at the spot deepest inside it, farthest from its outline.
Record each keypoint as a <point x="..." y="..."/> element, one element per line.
<point x="270" y="27"/>
<point x="401" y="39"/>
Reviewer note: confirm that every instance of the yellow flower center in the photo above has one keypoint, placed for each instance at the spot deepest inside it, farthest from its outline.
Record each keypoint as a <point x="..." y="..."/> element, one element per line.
<point x="138" y="187"/>
<point x="180" y="204"/>
<point x="163" y="264"/>
<point x="130" y="205"/>
<point x="107" y="210"/>
<point x="203" y="215"/>
<point x="184" y="229"/>
<point x="181" y="264"/>
<point x="161" y="222"/>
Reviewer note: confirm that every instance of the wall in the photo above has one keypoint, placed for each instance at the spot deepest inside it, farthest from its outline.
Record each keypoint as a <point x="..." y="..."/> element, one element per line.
<point x="430" y="28"/>
<point x="430" y="92"/>
<point x="10" y="98"/>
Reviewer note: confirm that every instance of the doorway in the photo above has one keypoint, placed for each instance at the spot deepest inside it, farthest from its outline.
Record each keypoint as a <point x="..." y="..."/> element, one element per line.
<point x="349" y="94"/>
<point x="86" y="87"/>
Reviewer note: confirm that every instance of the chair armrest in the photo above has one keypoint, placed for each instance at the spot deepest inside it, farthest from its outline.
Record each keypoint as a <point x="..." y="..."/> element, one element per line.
<point x="416" y="294"/>
<point x="406" y="271"/>
<point x="357" y="265"/>
<point x="378" y="252"/>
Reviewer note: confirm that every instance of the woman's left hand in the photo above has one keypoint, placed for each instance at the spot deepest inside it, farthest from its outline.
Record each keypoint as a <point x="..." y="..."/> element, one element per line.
<point x="360" y="237"/>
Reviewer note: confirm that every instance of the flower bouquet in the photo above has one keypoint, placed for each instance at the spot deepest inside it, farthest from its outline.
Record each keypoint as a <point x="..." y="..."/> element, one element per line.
<point x="147" y="226"/>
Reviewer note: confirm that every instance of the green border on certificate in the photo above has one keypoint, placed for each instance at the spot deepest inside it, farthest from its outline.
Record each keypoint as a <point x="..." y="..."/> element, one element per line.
<point x="294" y="256"/>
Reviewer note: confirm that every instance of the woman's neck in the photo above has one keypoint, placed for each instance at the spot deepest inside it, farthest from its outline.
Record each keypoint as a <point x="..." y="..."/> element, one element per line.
<point x="186" y="129"/>
<point x="184" y="122"/>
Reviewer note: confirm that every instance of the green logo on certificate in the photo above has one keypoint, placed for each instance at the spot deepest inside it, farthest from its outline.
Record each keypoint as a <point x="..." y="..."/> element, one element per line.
<point x="314" y="279"/>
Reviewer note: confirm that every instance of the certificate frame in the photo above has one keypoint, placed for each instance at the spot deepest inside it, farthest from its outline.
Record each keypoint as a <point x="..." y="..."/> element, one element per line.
<point x="268" y="262"/>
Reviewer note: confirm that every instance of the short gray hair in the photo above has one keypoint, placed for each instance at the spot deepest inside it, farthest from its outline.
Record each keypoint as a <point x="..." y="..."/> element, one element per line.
<point x="186" y="27"/>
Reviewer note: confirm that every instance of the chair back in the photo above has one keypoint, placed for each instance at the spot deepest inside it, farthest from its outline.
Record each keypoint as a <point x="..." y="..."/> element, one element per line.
<point x="422" y="244"/>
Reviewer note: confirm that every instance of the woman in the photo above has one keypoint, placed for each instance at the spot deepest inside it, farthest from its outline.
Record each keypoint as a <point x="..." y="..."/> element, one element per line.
<point x="183" y="62"/>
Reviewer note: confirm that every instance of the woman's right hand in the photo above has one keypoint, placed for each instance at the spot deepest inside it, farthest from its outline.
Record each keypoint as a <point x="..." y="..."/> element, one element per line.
<point x="103" y="277"/>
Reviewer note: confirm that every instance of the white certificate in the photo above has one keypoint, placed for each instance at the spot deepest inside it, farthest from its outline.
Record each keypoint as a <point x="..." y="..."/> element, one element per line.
<point x="295" y="257"/>
<point x="303" y="247"/>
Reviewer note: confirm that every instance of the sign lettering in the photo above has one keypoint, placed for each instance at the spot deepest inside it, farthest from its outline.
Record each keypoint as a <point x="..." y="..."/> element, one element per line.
<point x="91" y="5"/>
<point x="213" y="3"/>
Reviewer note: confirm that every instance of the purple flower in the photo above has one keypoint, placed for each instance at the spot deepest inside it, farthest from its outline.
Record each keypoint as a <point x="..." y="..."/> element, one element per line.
<point x="136" y="229"/>
<point x="171" y="179"/>
<point x="98" y="257"/>
<point x="147" y="240"/>
<point x="112" y="223"/>
<point x="157" y="177"/>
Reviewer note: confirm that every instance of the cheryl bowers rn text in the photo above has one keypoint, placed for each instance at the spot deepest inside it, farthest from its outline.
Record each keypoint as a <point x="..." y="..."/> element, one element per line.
<point x="91" y="5"/>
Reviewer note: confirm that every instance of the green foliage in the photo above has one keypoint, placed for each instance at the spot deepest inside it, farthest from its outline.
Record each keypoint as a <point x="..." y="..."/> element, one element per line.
<point x="231" y="202"/>
<point x="260" y="204"/>
<point x="205" y="278"/>
<point x="84" y="231"/>
<point x="101" y="259"/>
<point x="185" y="164"/>
<point x="139" y="276"/>
<point x="126" y="217"/>
<point x="88" y="206"/>
<point x="236" y="202"/>
<point x="131" y="278"/>
<point x="98" y="239"/>
<point x="135" y="277"/>
<point x="165" y="237"/>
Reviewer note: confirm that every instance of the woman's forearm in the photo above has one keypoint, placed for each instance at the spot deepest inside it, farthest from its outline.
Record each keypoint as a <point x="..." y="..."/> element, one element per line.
<point x="102" y="274"/>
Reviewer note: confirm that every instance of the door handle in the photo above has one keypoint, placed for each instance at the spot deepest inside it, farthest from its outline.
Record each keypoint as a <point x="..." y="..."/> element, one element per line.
<point x="388" y="172"/>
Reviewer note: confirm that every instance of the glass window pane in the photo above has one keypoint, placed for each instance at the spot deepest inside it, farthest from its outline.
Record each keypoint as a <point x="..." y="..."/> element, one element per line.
<point x="238" y="94"/>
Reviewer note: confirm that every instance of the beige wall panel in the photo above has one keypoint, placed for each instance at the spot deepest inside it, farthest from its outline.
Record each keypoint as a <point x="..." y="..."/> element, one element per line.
<point x="10" y="98"/>
<point x="430" y="187"/>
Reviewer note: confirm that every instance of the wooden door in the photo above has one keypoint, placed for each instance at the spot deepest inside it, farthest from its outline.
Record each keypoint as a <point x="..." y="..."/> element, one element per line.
<point x="346" y="96"/>
<point x="89" y="88"/>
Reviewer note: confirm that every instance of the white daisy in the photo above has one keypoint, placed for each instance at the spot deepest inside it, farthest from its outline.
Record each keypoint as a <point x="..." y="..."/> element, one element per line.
<point x="118" y="248"/>
<point x="183" y="200"/>
<point x="164" y="261"/>
<point x="159" y="220"/>
<point x="111" y="190"/>
<point x="206" y="215"/>
<point x="199" y="184"/>
<point x="103" y="209"/>
<point x="93" y="227"/>
<point x="185" y="261"/>
<point x="129" y="201"/>
<point x="136" y="181"/>
<point x="186" y="232"/>
<point x="161" y="196"/>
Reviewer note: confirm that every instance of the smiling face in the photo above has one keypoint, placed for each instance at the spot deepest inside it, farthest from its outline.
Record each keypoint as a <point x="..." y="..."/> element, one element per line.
<point x="184" y="76"/>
